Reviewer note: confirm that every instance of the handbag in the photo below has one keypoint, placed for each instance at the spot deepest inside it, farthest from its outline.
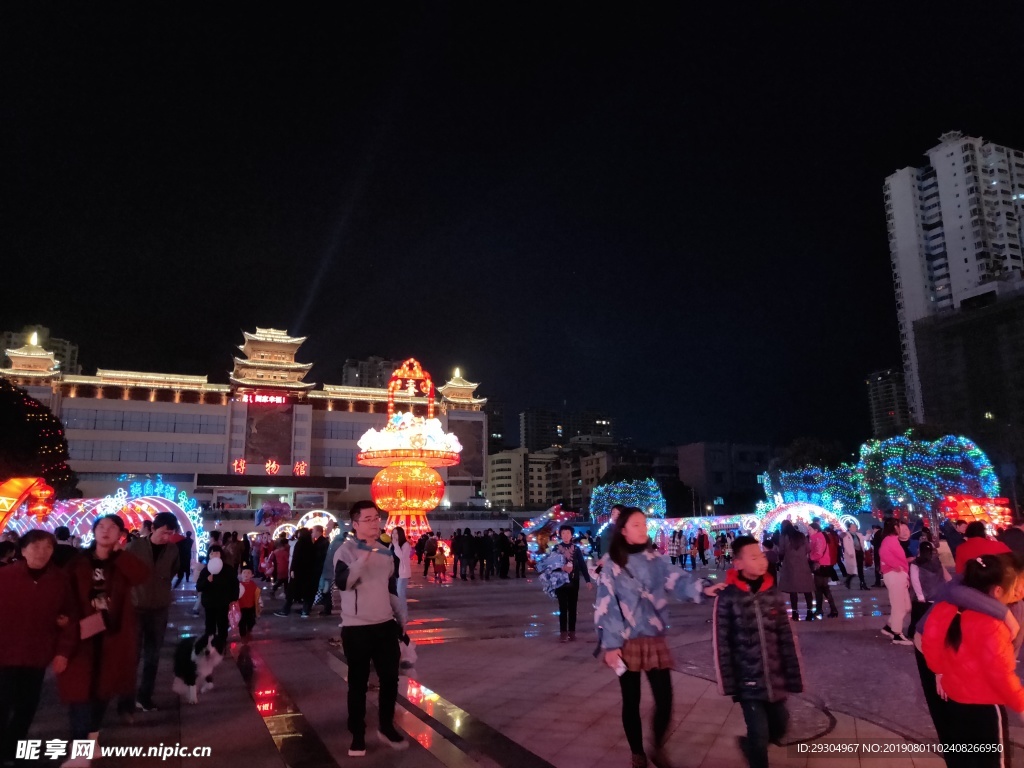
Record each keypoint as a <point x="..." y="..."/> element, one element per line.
<point x="91" y="625"/>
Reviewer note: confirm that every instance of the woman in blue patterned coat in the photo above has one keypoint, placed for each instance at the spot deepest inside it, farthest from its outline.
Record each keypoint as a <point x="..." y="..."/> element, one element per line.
<point x="632" y="596"/>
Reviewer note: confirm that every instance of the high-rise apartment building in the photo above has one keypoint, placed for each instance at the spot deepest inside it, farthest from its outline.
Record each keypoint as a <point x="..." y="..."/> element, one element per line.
<point x="374" y="372"/>
<point x="954" y="227"/>
<point x="64" y="351"/>
<point x="887" y="401"/>
<point x="540" y="429"/>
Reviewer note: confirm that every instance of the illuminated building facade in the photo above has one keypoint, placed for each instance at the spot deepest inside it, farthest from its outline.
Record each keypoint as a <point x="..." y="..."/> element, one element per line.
<point x="268" y="436"/>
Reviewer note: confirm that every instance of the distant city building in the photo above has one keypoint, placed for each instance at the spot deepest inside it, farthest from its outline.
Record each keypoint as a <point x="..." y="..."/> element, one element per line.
<point x="496" y="425"/>
<point x="374" y="372"/>
<point x="718" y="470"/>
<point x="887" y="401"/>
<point x="268" y="437"/>
<point x="64" y="352"/>
<point x="540" y="428"/>
<point x="954" y="227"/>
<point x="972" y="372"/>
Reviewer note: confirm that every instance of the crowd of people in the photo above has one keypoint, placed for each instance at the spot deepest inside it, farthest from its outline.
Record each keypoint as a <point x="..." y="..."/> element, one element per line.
<point x="95" y="615"/>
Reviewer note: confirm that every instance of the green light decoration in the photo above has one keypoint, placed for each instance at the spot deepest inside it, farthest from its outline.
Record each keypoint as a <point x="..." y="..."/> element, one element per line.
<point x="893" y="472"/>
<point x="644" y="494"/>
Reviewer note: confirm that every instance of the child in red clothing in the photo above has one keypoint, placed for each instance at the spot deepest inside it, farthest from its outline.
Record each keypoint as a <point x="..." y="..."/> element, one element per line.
<point x="975" y="665"/>
<point x="249" y="601"/>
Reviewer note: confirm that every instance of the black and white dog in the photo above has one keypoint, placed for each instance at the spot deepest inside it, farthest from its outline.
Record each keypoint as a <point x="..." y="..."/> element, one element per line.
<point x="194" y="661"/>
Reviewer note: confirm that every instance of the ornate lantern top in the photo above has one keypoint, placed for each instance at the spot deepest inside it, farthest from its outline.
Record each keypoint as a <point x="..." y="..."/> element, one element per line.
<point x="413" y="381"/>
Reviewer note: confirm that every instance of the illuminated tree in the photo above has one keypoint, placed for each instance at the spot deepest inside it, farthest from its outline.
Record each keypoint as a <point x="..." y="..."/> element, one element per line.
<point x="644" y="494"/>
<point x="32" y="442"/>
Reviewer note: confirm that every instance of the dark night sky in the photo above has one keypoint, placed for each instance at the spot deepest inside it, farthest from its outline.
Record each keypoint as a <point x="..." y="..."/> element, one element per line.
<point x="673" y="215"/>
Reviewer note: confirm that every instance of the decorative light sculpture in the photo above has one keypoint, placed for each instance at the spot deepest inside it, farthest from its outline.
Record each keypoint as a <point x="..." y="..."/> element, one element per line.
<point x="30" y="491"/>
<point x="408" y="449"/>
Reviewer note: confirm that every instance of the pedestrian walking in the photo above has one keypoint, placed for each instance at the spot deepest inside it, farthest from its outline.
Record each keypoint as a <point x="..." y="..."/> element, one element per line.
<point x="218" y="589"/>
<point x="103" y="664"/>
<point x="303" y="573"/>
<point x="853" y="555"/>
<point x="504" y="548"/>
<point x="756" y="657"/>
<point x="876" y="545"/>
<point x="372" y="622"/>
<point x="40" y="630"/>
<point x="633" y="591"/>
<point x="927" y="578"/>
<point x="896" y="577"/>
<point x="403" y="552"/>
<point x="429" y="551"/>
<point x="185" y="547"/>
<point x="674" y="547"/>
<point x="249" y="603"/>
<point x="152" y="601"/>
<point x="521" y="551"/>
<point x="568" y="557"/>
<point x="975" y="667"/>
<point x="822" y="559"/>
<point x="279" y="562"/>
<point x="795" y="576"/>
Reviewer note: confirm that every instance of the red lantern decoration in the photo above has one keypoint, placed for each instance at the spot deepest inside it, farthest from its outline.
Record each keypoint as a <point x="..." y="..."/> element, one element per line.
<point x="407" y="486"/>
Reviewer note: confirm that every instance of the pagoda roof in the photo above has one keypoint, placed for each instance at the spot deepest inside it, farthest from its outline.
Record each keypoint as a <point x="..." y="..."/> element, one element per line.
<point x="273" y="335"/>
<point x="272" y="365"/>
<point x="460" y="390"/>
<point x="29" y="350"/>
<point x="364" y="394"/>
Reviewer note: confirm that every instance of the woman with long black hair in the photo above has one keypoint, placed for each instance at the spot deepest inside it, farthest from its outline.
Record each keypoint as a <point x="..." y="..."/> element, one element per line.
<point x="795" y="575"/>
<point x="975" y="667"/>
<point x="630" y="614"/>
<point x="403" y="551"/>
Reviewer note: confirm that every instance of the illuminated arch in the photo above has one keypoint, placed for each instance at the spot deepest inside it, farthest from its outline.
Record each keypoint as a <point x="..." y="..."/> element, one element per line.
<point x="288" y="529"/>
<point x="316" y="517"/>
<point x="798" y="512"/>
<point x="78" y="515"/>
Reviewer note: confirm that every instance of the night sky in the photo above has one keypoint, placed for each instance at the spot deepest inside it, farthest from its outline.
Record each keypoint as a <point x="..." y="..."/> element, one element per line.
<point x="672" y="215"/>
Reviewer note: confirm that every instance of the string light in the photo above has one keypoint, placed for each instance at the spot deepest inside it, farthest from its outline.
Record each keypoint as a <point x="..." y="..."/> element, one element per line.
<point x="644" y="494"/>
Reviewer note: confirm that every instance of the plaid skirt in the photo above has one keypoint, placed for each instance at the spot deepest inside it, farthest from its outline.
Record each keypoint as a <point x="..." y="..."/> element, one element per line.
<point x="643" y="653"/>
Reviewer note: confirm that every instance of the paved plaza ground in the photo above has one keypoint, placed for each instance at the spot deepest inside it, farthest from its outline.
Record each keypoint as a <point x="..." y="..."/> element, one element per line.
<point x="493" y="687"/>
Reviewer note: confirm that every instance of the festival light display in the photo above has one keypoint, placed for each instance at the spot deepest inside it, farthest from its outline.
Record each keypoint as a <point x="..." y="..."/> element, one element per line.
<point x="644" y="494"/>
<point x="995" y="513"/>
<point x="408" y="449"/>
<point x="32" y="493"/>
<point x="904" y="470"/>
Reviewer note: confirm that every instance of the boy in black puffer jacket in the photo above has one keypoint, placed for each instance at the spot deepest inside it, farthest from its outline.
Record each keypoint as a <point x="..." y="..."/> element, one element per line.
<point x="756" y="658"/>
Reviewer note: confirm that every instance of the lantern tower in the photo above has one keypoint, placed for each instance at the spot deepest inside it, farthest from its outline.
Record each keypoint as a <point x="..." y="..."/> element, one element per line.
<point x="408" y="449"/>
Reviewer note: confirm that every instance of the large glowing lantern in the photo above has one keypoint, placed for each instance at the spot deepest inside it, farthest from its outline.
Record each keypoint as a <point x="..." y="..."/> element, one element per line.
<point x="408" y="449"/>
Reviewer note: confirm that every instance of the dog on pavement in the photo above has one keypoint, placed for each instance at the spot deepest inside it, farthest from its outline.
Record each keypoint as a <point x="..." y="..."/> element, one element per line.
<point x="194" y="661"/>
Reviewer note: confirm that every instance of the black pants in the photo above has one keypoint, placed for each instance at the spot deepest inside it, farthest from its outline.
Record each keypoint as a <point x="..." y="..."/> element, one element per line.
<point x="503" y="566"/>
<point x="86" y="717"/>
<point x="20" y="688"/>
<point x="217" y="620"/>
<point x="184" y="574"/>
<point x="661" y="686"/>
<point x="247" y="621"/>
<point x="794" y="601"/>
<point x="936" y="706"/>
<point x="568" y="598"/>
<point x="703" y="557"/>
<point x="917" y="611"/>
<point x="766" y="723"/>
<point x="520" y="568"/>
<point x="485" y="569"/>
<point x="428" y="560"/>
<point x="984" y="724"/>
<point x="362" y="644"/>
<point x="152" y="626"/>
<point x="859" y="555"/>
<point x="822" y="591"/>
<point x="468" y="567"/>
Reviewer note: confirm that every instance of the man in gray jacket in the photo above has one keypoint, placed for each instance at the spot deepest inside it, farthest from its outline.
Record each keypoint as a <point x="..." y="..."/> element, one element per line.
<point x="372" y="621"/>
<point x="152" y="599"/>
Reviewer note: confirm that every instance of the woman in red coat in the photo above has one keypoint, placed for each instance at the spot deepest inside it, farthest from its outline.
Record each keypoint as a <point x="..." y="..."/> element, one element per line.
<point x="103" y="664"/>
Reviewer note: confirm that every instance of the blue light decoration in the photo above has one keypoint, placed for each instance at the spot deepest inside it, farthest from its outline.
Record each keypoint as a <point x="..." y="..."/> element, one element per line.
<point x="902" y="470"/>
<point x="644" y="494"/>
<point x="186" y="503"/>
<point x="889" y="473"/>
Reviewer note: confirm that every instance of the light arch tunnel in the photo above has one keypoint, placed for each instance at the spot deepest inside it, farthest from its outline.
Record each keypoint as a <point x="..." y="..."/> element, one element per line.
<point x="78" y="515"/>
